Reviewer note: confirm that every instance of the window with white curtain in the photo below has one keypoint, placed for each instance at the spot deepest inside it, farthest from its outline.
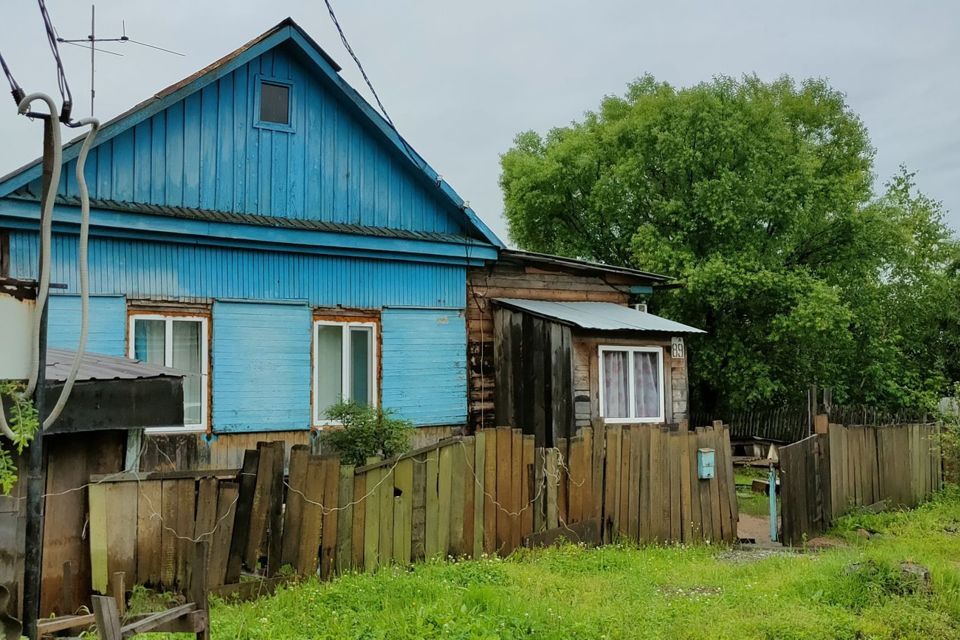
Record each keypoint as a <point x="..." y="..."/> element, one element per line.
<point x="344" y="365"/>
<point x="631" y="384"/>
<point x="178" y="342"/>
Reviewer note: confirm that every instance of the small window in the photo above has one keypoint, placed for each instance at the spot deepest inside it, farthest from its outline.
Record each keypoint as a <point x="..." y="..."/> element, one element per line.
<point x="178" y="342"/>
<point x="631" y="384"/>
<point x="273" y="104"/>
<point x="344" y="365"/>
<point x="4" y="254"/>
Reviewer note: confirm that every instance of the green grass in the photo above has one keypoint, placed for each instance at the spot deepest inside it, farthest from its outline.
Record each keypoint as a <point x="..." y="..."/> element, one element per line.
<point x="620" y="591"/>
<point x="748" y="501"/>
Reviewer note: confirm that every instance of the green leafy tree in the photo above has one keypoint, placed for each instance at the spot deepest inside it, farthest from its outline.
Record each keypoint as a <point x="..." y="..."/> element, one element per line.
<point x="758" y="197"/>
<point x="366" y="431"/>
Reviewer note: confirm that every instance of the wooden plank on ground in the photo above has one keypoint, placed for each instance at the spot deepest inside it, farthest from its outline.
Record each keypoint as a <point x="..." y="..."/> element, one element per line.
<point x="183" y="528"/>
<point x="551" y="478"/>
<point x="686" y="492"/>
<point x="432" y="541"/>
<point x="703" y="488"/>
<point x="344" y="546"/>
<point x="99" y="569"/>
<point x="403" y="512"/>
<point x="516" y="463"/>
<point x="359" y="519"/>
<point x="611" y="484"/>
<point x="418" y="518"/>
<point x="228" y="492"/>
<point x="331" y="515"/>
<point x="241" y="521"/>
<point x="624" y="491"/>
<point x="293" y="514"/>
<point x="261" y="507"/>
<point x="504" y="442"/>
<point x="385" y="493"/>
<point x="149" y="534"/>
<point x="445" y="499"/>
<point x="468" y="444"/>
<point x="676" y="502"/>
<point x="479" y="499"/>
<point x="490" y="491"/>
<point x="527" y="487"/>
<point x="633" y="485"/>
<point x="371" y="522"/>
<point x="694" y="483"/>
<point x="312" y="513"/>
<point x="659" y="476"/>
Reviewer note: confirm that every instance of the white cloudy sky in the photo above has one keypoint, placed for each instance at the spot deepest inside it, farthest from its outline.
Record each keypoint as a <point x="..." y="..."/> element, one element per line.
<point x="462" y="78"/>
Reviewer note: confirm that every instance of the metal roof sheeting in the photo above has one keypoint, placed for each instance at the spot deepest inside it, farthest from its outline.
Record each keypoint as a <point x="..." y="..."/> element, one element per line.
<point x="94" y="366"/>
<point x="598" y="316"/>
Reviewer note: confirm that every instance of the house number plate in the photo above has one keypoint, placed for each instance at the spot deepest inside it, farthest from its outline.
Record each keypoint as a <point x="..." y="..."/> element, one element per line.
<point x="676" y="349"/>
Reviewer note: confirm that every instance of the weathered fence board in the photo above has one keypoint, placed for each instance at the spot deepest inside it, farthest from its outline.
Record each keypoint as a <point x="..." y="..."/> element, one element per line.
<point x="462" y="497"/>
<point x="827" y="474"/>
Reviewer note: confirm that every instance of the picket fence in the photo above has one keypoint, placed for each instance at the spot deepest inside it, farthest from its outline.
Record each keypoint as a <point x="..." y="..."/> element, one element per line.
<point x="465" y="496"/>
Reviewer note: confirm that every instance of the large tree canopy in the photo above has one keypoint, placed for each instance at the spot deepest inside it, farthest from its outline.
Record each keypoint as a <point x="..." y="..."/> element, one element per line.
<point x="758" y="197"/>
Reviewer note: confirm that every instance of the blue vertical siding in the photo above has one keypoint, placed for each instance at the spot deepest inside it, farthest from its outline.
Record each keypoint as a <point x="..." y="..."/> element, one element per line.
<point x="206" y="151"/>
<point x="107" y="328"/>
<point x="261" y="366"/>
<point x="143" y="269"/>
<point x="425" y="365"/>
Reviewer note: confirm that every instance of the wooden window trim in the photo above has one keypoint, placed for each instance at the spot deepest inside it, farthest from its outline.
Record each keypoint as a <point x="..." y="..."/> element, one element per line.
<point x="604" y="348"/>
<point x="206" y="328"/>
<point x="345" y="318"/>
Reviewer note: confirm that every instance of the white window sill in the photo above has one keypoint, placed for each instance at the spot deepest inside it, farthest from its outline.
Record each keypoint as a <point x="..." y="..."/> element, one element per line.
<point x="633" y="420"/>
<point x="175" y="430"/>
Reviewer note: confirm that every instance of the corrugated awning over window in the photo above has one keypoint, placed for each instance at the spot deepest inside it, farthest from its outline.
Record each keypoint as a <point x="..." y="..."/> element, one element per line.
<point x="597" y="316"/>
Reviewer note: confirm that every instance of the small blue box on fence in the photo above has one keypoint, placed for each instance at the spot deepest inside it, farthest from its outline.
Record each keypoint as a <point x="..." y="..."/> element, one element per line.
<point x="705" y="463"/>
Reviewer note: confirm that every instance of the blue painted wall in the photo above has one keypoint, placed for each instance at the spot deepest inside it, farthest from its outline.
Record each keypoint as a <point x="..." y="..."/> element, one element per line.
<point x="107" y="328"/>
<point x="425" y="365"/>
<point x="142" y="269"/>
<point x="206" y="152"/>
<point x="261" y="366"/>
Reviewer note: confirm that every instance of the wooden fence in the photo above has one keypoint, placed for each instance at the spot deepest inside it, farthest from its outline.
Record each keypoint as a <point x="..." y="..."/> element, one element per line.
<point x="464" y="496"/>
<point x="828" y="474"/>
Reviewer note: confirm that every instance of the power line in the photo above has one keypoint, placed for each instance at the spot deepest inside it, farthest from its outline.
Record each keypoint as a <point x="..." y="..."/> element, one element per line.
<point x="386" y="116"/>
<point x="62" y="83"/>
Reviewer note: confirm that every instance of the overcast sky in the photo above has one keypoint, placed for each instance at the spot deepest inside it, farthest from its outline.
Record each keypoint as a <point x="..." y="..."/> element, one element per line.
<point x="461" y="79"/>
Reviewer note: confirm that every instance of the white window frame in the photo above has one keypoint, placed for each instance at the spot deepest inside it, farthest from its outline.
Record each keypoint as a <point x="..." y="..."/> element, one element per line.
<point x="633" y="419"/>
<point x="318" y="420"/>
<point x="168" y="357"/>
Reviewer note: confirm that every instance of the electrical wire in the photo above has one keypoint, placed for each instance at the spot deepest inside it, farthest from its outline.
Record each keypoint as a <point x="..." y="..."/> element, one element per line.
<point x="62" y="83"/>
<point x="15" y="89"/>
<point x="83" y="269"/>
<point x="386" y="116"/>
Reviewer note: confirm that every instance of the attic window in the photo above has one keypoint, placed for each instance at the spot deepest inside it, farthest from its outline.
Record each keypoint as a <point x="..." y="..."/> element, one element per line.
<point x="273" y="104"/>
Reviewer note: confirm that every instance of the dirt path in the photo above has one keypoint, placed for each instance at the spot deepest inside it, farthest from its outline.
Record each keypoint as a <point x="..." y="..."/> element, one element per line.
<point x="754" y="527"/>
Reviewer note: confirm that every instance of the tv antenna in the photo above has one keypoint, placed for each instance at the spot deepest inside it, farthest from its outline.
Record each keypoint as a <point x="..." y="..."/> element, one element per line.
<point x="90" y="42"/>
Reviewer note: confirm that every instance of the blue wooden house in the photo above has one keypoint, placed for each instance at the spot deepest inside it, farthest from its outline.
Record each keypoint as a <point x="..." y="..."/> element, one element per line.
<point x="260" y="226"/>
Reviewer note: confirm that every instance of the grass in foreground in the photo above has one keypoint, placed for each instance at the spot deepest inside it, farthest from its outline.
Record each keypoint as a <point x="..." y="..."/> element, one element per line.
<point x="620" y="591"/>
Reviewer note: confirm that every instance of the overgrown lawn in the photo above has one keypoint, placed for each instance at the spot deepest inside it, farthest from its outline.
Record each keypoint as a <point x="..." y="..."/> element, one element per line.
<point x="853" y="591"/>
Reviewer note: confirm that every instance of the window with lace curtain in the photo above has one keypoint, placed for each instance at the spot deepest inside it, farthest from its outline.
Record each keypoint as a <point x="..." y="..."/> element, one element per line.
<point x="631" y="384"/>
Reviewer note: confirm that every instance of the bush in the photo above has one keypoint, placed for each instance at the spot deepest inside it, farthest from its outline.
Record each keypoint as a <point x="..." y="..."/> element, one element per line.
<point x="366" y="431"/>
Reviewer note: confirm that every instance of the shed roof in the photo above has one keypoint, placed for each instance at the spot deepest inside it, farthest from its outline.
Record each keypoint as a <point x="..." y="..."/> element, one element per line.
<point x="597" y="316"/>
<point x="94" y="366"/>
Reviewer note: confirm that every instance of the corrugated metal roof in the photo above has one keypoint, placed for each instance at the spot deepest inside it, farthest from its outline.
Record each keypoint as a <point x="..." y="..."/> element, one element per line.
<point x="598" y="316"/>
<point x="207" y="215"/>
<point x="94" y="366"/>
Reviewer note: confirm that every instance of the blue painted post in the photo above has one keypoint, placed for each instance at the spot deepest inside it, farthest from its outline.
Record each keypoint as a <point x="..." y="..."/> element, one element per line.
<point x="772" y="488"/>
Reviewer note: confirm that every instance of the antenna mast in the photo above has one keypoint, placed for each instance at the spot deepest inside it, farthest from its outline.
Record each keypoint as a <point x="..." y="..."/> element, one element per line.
<point x="91" y="42"/>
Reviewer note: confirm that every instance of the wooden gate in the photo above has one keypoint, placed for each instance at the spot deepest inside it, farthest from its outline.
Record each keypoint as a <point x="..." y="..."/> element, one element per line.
<point x="804" y="473"/>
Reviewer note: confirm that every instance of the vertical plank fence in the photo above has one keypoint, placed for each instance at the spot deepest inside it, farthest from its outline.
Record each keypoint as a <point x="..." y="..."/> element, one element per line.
<point x="464" y="496"/>
<point x="827" y="474"/>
